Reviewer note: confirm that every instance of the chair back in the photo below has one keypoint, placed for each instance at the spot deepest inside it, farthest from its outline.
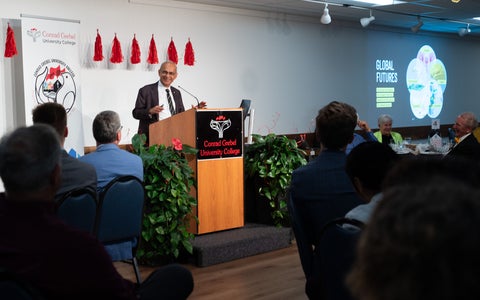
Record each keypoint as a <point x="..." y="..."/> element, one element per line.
<point x="121" y="210"/>
<point x="78" y="208"/>
<point x="334" y="256"/>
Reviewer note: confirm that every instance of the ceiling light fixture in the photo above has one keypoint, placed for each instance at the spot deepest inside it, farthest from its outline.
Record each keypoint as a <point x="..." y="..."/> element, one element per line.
<point x="366" y="21"/>
<point x="326" y="19"/>
<point x="464" y="31"/>
<point x="416" y="28"/>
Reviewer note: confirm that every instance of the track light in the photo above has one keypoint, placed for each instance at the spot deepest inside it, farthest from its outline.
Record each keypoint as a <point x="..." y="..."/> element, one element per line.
<point x="366" y="21"/>
<point x="326" y="19"/>
<point x="464" y="31"/>
<point x="416" y="28"/>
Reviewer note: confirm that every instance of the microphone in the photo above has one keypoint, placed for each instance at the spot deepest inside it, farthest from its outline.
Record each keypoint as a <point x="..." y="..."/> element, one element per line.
<point x="198" y="102"/>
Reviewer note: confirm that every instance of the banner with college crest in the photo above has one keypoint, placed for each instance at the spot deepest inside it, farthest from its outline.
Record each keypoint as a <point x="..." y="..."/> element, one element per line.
<point x="51" y="67"/>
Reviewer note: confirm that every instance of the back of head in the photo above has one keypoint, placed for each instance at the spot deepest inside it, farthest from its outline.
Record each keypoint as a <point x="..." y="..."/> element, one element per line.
<point x="335" y="124"/>
<point x="370" y="163"/>
<point x="28" y="156"/>
<point x="422" y="242"/>
<point x="53" y="114"/>
<point x="105" y="127"/>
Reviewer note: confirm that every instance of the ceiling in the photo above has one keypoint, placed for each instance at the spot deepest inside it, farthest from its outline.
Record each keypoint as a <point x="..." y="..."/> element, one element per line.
<point x="440" y="16"/>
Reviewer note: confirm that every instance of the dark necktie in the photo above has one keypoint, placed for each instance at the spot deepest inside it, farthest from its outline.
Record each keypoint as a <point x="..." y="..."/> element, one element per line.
<point x="170" y="103"/>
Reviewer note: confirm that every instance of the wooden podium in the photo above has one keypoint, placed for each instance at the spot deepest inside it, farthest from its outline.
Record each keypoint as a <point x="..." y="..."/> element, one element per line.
<point x="218" y="166"/>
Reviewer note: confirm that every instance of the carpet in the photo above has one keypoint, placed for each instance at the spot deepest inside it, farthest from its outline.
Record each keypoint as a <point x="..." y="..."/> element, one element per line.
<point x="252" y="239"/>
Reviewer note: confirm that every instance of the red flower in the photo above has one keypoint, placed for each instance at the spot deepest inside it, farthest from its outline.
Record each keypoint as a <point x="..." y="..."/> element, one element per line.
<point x="177" y="144"/>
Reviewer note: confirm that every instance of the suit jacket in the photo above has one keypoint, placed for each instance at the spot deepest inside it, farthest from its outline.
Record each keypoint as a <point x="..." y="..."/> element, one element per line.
<point x="468" y="148"/>
<point x="76" y="174"/>
<point x="147" y="98"/>
<point x="320" y="192"/>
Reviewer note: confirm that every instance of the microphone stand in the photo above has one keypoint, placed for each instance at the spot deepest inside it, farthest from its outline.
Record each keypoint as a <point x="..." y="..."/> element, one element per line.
<point x="198" y="102"/>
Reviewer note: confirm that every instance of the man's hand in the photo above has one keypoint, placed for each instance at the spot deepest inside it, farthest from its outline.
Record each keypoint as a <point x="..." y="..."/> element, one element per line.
<point x="155" y="110"/>
<point x="363" y="125"/>
<point x="202" y="104"/>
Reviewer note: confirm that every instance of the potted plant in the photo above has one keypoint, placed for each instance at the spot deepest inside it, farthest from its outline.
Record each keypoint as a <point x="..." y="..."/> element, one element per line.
<point x="269" y="163"/>
<point x="167" y="179"/>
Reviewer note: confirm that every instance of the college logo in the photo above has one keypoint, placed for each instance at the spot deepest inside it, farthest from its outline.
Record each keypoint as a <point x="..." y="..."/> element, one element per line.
<point x="34" y="33"/>
<point x="220" y="124"/>
<point x="54" y="82"/>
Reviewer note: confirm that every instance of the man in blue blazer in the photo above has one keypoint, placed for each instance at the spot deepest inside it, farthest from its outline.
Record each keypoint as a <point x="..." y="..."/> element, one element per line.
<point x="321" y="190"/>
<point x="152" y="102"/>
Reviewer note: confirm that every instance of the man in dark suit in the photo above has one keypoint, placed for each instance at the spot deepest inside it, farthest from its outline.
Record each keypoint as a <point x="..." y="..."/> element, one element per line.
<point x="75" y="174"/>
<point x="467" y="145"/>
<point x="321" y="190"/>
<point x="159" y="100"/>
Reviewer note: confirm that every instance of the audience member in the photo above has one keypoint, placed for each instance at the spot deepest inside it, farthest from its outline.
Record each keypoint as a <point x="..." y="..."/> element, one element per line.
<point x="110" y="162"/>
<point x="59" y="261"/>
<point x="423" y="239"/>
<point x="75" y="174"/>
<point x="366" y="166"/>
<point x="153" y="103"/>
<point x="385" y="134"/>
<point x="467" y="145"/>
<point x="108" y="159"/>
<point x="358" y="139"/>
<point x="321" y="191"/>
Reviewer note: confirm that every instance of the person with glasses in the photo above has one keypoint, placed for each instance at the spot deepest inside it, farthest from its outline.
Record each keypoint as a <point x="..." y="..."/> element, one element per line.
<point x="159" y="100"/>
<point x="108" y="159"/>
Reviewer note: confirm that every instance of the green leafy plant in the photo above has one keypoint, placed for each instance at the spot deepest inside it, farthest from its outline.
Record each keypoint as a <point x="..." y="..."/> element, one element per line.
<point x="270" y="161"/>
<point x="168" y="179"/>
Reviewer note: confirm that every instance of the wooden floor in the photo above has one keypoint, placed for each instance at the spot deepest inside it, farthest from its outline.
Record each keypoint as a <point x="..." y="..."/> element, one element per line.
<point x="273" y="275"/>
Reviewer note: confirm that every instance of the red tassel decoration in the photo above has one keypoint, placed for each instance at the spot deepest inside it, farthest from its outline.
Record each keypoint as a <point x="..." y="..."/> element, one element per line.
<point x="152" y="52"/>
<point x="172" y="52"/>
<point x="10" y="44"/>
<point x="135" y="58"/>
<point x="117" y="56"/>
<point x="189" y="57"/>
<point x="98" y="55"/>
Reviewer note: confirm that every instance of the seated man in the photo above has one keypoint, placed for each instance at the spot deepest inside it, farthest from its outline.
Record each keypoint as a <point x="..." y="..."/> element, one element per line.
<point x="358" y="139"/>
<point x="367" y="165"/>
<point x="108" y="159"/>
<point x="59" y="261"/>
<point x="321" y="191"/>
<point x="110" y="162"/>
<point x="75" y="174"/>
<point x="467" y="145"/>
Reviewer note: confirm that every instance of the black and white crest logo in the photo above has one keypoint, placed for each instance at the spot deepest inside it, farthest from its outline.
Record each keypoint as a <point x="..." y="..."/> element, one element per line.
<point x="54" y="82"/>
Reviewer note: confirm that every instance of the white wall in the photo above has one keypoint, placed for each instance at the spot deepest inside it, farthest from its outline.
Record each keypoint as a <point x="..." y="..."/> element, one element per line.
<point x="288" y="66"/>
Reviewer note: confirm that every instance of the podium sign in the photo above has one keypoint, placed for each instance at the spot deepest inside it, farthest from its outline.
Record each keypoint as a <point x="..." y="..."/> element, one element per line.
<point x="218" y="166"/>
<point x="219" y="134"/>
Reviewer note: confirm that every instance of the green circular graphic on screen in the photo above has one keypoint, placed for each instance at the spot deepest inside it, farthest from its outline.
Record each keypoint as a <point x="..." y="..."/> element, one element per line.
<point x="426" y="82"/>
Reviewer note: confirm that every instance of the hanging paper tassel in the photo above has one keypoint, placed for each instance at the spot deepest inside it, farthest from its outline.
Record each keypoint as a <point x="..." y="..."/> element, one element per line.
<point x="98" y="55"/>
<point x="135" y="58"/>
<point x="189" y="57"/>
<point x="152" y="52"/>
<point x="172" y="52"/>
<point x="117" y="56"/>
<point x="10" y="44"/>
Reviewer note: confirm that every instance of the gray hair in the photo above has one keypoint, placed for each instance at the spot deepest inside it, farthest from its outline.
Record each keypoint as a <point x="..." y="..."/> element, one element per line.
<point x="470" y="120"/>
<point x="105" y="127"/>
<point x="28" y="156"/>
<point x="384" y="119"/>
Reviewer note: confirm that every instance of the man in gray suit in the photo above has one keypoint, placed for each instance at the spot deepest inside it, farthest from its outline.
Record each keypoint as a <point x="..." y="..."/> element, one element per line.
<point x="159" y="100"/>
<point x="75" y="174"/>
